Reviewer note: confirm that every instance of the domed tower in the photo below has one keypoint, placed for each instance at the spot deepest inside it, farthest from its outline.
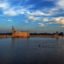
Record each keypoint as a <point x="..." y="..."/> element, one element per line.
<point x="13" y="29"/>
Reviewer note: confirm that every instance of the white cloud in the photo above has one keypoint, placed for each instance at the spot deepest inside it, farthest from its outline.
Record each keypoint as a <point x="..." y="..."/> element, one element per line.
<point x="45" y="19"/>
<point x="53" y="11"/>
<point x="59" y="20"/>
<point x="61" y="3"/>
<point x="14" y="11"/>
<point x="56" y="20"/>
<point x="10" y="12"/>
<point x="4" y="5"/>
<point x="7" y="9"/>
<point x="39" y="13"/>
<point x="9" y="20"/>
<point x="41" y="24"/>
<point x="50" y="23"/>
<point x="33" y="18"/>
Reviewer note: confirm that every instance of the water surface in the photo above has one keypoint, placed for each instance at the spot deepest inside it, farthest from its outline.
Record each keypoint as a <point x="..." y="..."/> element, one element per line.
<point x="32" y="51"/>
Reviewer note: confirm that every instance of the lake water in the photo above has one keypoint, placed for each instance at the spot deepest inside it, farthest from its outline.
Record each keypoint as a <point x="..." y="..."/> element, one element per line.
<point x="32" y="51"/>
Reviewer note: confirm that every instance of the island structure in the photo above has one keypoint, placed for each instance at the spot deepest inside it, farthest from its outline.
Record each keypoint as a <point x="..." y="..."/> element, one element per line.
<point x="19" y="34"/>
<point x="15" y="34"/>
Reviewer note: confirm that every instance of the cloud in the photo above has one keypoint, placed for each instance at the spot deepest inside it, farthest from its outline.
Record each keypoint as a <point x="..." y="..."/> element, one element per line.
<point x="34" y="15"/>
<point x="62" y="26"/>
<point x="6" y="9"/>
<point x="61" y="3"/>
<point x="57" y="10"/>
<point x="50" y="23"/>
<point x="17" y="10"/>
<point x="13" y="12"/>
<point x="33" y="18"/>
<point x="45" y="19"/>
<point x="41" y="24"/>
<point x="60" y="20"/>
<point x="4" y="5"/>
<point x="10" y="12"/>
<point x="39" y="13"/>
<point x="9" y="20"/>
<point x="55" y="20"/>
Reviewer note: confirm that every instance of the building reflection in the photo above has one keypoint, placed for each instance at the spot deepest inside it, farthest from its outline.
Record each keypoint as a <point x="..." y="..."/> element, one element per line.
<point x="18" y="41"/>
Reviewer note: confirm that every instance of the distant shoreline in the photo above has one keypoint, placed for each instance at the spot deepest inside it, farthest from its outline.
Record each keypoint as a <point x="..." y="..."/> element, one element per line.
<point x="44" y="35"/>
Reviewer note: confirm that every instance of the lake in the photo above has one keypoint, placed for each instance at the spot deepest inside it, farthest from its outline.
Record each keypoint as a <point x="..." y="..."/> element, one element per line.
<point x="31" y="51"/>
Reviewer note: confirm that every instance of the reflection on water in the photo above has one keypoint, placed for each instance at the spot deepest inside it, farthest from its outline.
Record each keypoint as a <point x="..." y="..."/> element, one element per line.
<point x="32" y="51"/>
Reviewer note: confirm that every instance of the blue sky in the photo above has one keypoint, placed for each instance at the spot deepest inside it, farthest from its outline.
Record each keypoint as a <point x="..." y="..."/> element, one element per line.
<point x="32" y="15"/>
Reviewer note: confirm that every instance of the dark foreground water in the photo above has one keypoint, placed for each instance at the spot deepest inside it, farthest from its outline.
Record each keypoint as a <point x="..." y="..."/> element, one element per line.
<point x="32" y="51"/>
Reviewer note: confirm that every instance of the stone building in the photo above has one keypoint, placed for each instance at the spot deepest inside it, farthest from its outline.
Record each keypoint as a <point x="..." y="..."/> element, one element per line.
<point x="18" y="34"/>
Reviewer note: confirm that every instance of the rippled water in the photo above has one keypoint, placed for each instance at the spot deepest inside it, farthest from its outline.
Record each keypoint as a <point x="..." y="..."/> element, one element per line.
<point x="32" y="51"/>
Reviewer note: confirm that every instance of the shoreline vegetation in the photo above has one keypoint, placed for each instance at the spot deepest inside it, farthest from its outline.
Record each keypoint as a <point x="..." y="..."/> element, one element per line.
<point x="28" y="35"/>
